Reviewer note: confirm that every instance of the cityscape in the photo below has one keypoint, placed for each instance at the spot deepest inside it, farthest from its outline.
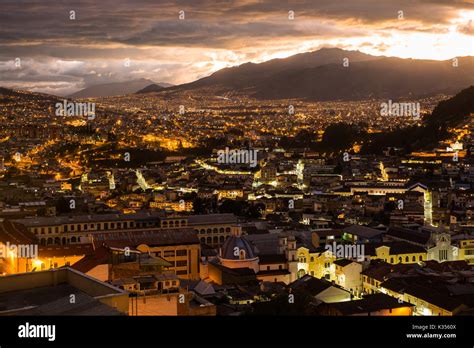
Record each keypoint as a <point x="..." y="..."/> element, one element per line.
<point x="321" y="174"/>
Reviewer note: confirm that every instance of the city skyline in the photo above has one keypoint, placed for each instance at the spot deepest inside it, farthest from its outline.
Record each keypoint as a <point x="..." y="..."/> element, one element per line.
<point x="254" y="159"/>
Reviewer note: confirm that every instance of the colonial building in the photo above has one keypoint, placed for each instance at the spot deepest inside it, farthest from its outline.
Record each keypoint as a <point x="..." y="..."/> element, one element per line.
<point x="239" y="255"/>
<point x="213" y="229"/>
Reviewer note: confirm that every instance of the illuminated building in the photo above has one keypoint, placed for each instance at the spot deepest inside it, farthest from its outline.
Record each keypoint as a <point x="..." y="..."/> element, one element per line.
<point x="64" y="230"/>
<point x="238" y="256"/>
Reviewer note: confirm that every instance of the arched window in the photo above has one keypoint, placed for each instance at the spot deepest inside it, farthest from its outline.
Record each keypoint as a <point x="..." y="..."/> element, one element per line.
<point x="215" y="240"/>
<point x="221" y="230"/>
<point x="400" y="259"/>
<point x="73" y="240"/>
<point x="420" y="258"/>
<point x="413" y="258"/>
<point x="311" y="259"/>
<point x="407" y="259"/>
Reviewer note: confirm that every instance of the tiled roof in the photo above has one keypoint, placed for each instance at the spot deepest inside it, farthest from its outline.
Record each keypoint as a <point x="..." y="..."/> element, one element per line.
<point x="370" y="303"/>
<point x="362" y="231"/>
<point x="183" y="236"/>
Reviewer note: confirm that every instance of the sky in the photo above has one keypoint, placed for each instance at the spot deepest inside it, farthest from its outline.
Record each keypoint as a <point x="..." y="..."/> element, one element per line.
<point x="44" y="47"/>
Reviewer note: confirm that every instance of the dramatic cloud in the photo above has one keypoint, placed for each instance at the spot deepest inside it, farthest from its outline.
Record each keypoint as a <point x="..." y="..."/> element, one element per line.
<point x="60" y="55"/>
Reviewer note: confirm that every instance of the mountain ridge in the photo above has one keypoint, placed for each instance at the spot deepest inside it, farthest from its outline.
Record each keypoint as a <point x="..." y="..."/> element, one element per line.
<point x="321" y="76"/>
<point x="115" y="88"/>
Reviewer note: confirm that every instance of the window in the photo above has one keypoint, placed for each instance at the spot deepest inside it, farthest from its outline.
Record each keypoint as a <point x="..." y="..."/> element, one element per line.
<point x="268" y="268"/>
<point x="407" y="259"/>
<point x="181" y="263"/>
<point x="181" y="252"/>
<point x="181" y="272"/>
<point x="413" y="258"/>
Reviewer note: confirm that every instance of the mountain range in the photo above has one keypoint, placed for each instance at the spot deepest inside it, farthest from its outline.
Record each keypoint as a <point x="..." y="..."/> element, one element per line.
<point x="315" y="76"/>
<point x="115" y="88"/>
<point x="321" y="75"/>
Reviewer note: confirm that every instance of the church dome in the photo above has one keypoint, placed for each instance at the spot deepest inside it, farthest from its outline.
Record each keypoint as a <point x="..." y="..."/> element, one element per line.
<point x="237" y="248"/>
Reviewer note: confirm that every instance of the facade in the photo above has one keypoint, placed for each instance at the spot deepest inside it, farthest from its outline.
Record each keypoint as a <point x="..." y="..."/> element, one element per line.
<point x="180" y="248"/>
<point x="238" y="258"/>
<point x="316" y="263"/>
<point x="348" y="276"/>
<point x="213" y="229"/>
<point x="396" y="252"/>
